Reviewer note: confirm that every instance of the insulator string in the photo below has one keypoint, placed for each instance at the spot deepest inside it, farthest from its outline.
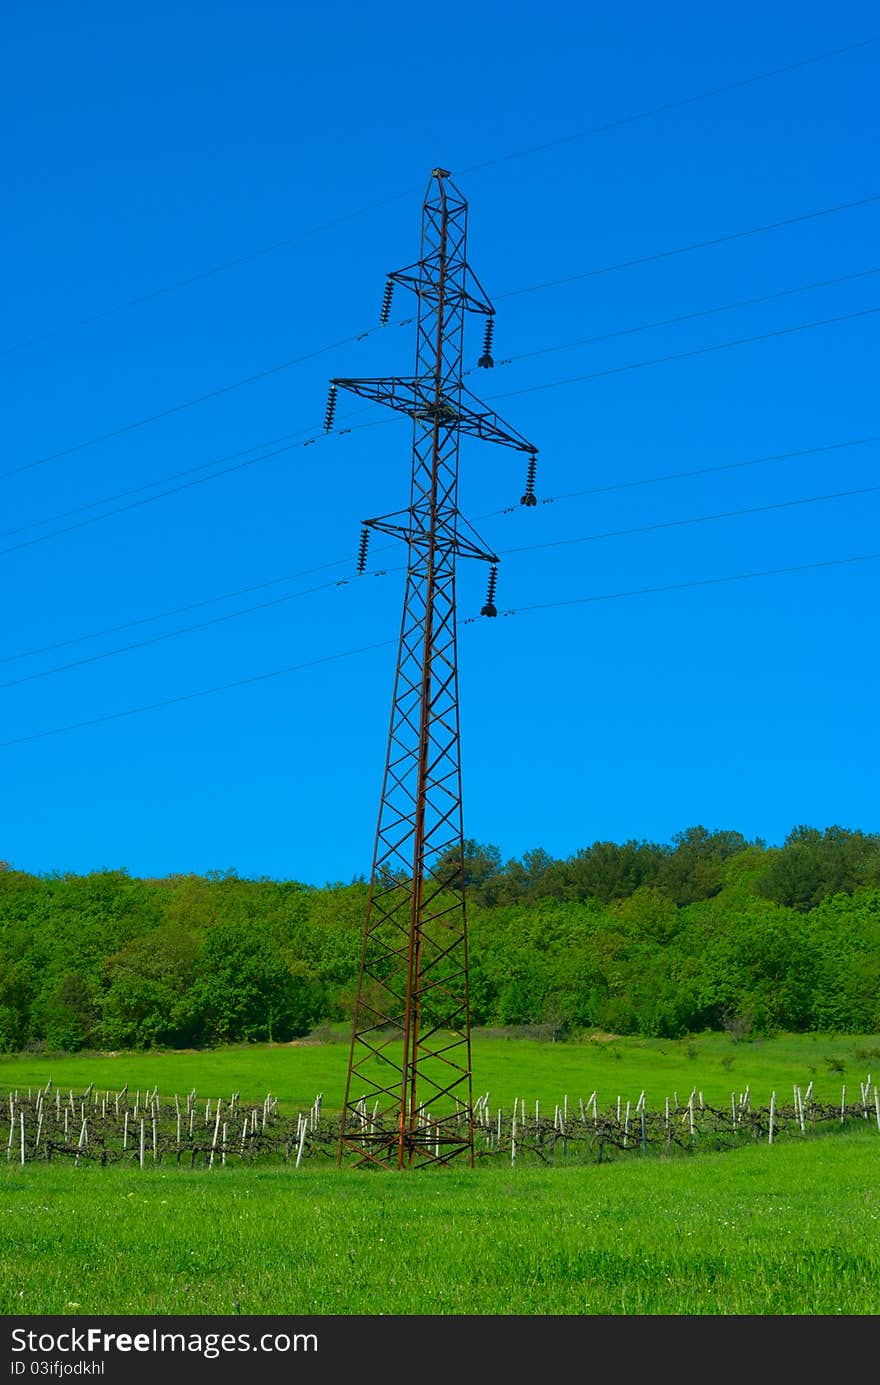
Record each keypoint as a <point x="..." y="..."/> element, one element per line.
<point x="362" y="550"/>
<point x="528" y="496"/>
<point x="486" y="361"/>
<point x="489" y="607"/>
<point x="386" y="302"/>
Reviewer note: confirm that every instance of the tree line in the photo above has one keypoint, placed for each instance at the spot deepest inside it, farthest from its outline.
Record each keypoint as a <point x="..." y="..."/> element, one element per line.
<point x="709" y="931"/>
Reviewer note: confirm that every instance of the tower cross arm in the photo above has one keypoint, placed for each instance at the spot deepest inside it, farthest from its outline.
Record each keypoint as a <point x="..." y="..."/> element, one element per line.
<point x="446" y="535"/>
<point x="481" y="422"/>
<point x="415" y="396"/>
<point x="461" y="288"/>
<point x="398" y="392"/>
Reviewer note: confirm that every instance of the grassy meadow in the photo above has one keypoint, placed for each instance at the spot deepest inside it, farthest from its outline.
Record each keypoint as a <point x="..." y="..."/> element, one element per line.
<point x="792" y="1228"/>
<point x="505" y="1067"/>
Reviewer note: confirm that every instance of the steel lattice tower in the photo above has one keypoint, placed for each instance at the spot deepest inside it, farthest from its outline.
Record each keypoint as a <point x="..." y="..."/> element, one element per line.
<point x="408" y="1098"/>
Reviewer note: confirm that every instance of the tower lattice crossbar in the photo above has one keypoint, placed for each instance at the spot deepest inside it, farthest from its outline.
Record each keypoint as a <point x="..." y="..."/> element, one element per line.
<point x="408" y="1099"/>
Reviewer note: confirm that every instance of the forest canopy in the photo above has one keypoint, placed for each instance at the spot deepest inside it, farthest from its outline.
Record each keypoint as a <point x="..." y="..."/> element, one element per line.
<point x="709" y="931"/>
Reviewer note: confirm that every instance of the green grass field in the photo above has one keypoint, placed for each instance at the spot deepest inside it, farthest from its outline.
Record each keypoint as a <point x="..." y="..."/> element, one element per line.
<point x="788" y="1229"/>
<point x="792" y="1228"/>
<point x="507" y="1068"/>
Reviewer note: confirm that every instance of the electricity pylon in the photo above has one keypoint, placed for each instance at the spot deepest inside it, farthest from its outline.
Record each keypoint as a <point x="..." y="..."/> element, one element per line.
<point x="408" y="1098"/>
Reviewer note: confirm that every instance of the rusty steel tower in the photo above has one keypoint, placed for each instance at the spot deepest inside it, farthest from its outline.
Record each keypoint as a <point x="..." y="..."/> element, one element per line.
<point x="408" y="1098"/>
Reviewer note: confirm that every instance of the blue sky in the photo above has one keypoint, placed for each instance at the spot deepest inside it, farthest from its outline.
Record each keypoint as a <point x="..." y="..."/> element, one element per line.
<point x="142" y="149"/>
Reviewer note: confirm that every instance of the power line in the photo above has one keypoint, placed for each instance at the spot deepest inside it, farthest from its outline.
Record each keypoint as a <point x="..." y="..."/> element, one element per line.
<point x="185" y="630"/>
<point x="508" y="394"/>
<point x="686" y="475"/>
<point x="146" y="500"/>
<point x="687" y="249"/>
<point x="186" y="404"/>
<point x="345" y="581"/>
<point x="686" y="317"/>
<point x="489" y="514"/>
<point x="387" y="644"/>
<point x="318" y="436"/>
<point x="697" y="519"/>
<point x="315" y="430"/>
<point x="269" y="371"/>
<point x="202" y="274"/>
<point x="309" y="435"/>
<point x="249" y="256"/>
<point x="687" y="586"/>
<point x="149" y="485"/>
<point x="174" y="611"/>
<point x="687" y="355"/>
<point x="203" y="692"/>
<point x="668" y="106"/>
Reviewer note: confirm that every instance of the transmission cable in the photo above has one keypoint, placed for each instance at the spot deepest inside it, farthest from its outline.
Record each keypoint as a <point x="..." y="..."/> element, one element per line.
<point x="387" y="644"/>
<point x="686" y="249"/>
<point x="243" y="381"/>
<point x="508" y="394"/>
<point x="686" y="355"/>
<point x="345" y="581"/>
<point x="668" y="106"/>
<point x="687" y="475"/>
<point x="175" y="490"/>
<point x="314" y="432"/>
<point x="206" y="273"/>
<point x="188" y="403"/>
<point x="684" y="317"/>
<point x="684" y="586"/>
<point x="173" y="611"/>
<point x="282" y="244"/>
<point x="696" y="519"/>
<point x="188" y="629"/>
<point x="488" y="514"/>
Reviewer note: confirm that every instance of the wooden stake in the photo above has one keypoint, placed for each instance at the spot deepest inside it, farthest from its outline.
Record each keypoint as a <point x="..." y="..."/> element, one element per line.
<point x="83" y="1141"/>
<point x="216" y="1133"/>
<point x="302" y="1141"/>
